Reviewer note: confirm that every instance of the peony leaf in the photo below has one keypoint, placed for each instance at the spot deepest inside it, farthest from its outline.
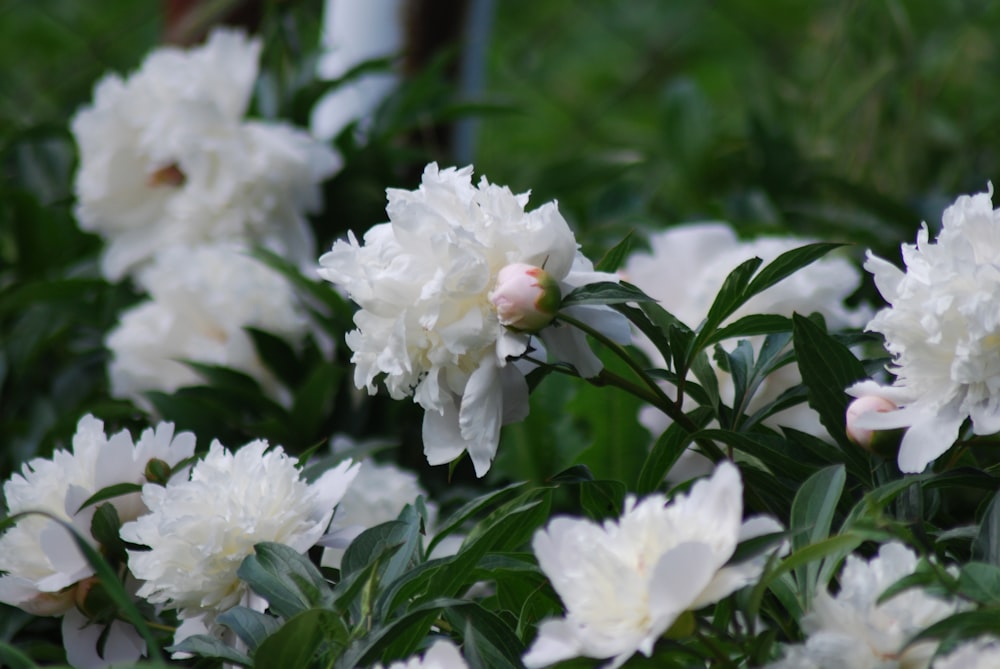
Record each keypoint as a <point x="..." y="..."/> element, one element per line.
<point x="750" y="326"/>
<point x="616" y="255"/>
<point x="959" y="627"/>
<point x="811" y="518"/>
<point x="787" y="264"/>
<point x="13" y="658"/>
<point x="602" y="499"/>
<point x="488" y="642"/>
<point x="980" y="582"/>
<point x="986" y="546"/>
<point x="668" y="448"/>
<point x="470" y="509"/>
<point x="204" y="645"/>
<point x="111" y="492"/>
<point x="104" y="527"/>
<point x="311" y="638"/>
<point x="252" y="627"/>
<point x="287" y="580"/>
<point x="605" y="292"/>
<point x="827" y="367"/>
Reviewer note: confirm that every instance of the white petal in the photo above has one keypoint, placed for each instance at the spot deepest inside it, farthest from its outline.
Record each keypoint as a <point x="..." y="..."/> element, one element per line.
<point x="679" y="577"/>
<point x="926" y="439"/>
<point x="442" y="439"/>
<point x="556" y="641"/>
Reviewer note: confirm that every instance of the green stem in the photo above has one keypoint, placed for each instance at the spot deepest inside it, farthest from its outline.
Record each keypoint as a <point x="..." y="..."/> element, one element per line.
<point x="652" y="393"/>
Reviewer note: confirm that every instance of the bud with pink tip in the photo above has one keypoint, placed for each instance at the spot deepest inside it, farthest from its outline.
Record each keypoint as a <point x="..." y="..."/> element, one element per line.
<point x="866" y="404"/>
<point x="526" y="297"/>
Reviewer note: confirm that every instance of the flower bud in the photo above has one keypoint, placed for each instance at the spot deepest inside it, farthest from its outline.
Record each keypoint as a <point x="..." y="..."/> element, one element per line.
<point x="157" y="471"/>
<point x="526" y="297"/>
<point x="868" y="403"/>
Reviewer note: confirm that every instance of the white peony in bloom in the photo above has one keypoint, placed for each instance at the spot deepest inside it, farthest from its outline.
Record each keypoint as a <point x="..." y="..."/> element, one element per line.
<point x="626" y="582"/>
<point x="426" y="323"/>
<point x="202" y="298"/>
<point x="684" y="271"/>
<point x="983" y="653"/>
<point x="442" y="655"/>
<point x="200" y="530"/>
<point x="852" y="631"/>
<point x="42" y="562"/>
<point x="942" y="328"/>
<point x="166" y="158"/>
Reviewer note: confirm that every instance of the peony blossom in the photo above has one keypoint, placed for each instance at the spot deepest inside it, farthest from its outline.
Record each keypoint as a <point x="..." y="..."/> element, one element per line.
<point x="853" y="631"/>
<point x="626" y="582"/>
<point x="684" y="271"/>
<point x="167" y="158"/>
<point x="942" y="328"/>
<point x="983" y="653"/>
<point x="426" y="325"/>
<point x="201" y="299"/>
<point x="44" y="567"/>
<point x="442" y="655"/>
<point x="200" y="530"/>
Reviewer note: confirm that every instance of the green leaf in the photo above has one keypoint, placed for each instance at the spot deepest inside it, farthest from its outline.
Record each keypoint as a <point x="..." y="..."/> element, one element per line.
<point x="665" y="452"/>
<point x="980" y="582"/>
<point x="786" y="264"/>
<point x="471" y="508"/>
<point x="960" y="627"/>
<point x="827" y="367"/>
<point x="304" y="638"/>
<point x="252" y="627"/>
<point x="616" y="255"/>
<point x="752" y="325"/>
<point x="286" y="579"/>
<point x="110" y="492"/>
<point x="602" y="499"/>
<point x="204" y="645"/>
<point x="373" y="543"/>
<point x="604" y="292"/>
<point x="104" y="527"/>
<point x="728" y="300"/>
<point x="812" y="511"/>
<point x="986" y="547"/>
<point x="13" y="658"/>
<point x="277" y="355"/>
<point x="487" y="643"/>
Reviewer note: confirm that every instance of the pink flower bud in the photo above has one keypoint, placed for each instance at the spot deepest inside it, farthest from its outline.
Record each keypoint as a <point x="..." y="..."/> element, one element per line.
<point x="862" y="405"/>
<point x="526" y="297"/>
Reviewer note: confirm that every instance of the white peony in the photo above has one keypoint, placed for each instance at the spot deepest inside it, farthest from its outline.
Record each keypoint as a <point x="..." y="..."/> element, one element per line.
<point x="983" y="653"/>
<point x="442" y="655"/>
<point x="942" y="328"/>
<point x="852" y="631"/>
<point x="684" y="271"/>
<point x="42" y="562"/>
<point x="166" y="158"/>
<point x="426" y="324"/>
<point x="200" y="530"/>
<point x="626" y="582"/>
<point x="202" y="298"/>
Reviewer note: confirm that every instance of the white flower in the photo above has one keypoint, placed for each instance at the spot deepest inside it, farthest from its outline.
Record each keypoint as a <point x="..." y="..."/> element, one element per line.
<point x="943" y="331"/>
<point x="442" y="655"/>
<point x="852" y="631"/>
<point x="39" y="556"/>
<point x="684" y="271"/>
<point x="202" y="298"/>
<point x="43" y="565"/>
<point x="624" y="583"/>
<point x="200" y="530"/>
<point x="983" y="653"/>
<point x="379" y="493"/>
<point x="165" y="158"/>
<point x="426" y="322"/>
<point x="525" y="297"/>
<point x="354" y="33"/>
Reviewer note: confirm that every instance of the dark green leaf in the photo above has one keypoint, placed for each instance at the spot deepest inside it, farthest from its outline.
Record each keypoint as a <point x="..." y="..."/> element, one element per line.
<point x="986" y="547"/>
<point x="204" y="645"/>
<point x="786" y="264"/>
<point x="111" y="491"/>
<point x="728" y="300"/>
<point x="961" y="626"/>
<point x="616" y="255"/>
<point x="748" y="326"/>
<point x="488" y="643"/>
<point x="812" y="511"/>
<point x="827" y="367"/>
<point x="252" y="627"/>
<point x="602" y="499"/>
<point x="13" y="658"/>
<point x="316" y="634"/>
<point x="980" y="582"/>
<point x="604" y="292"/>
<point x="668" y="448"/>
<point x="286" y="579"/>
<point x="104" y="527"/>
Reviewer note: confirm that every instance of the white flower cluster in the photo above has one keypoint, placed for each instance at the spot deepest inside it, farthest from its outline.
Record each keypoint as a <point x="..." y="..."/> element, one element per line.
<point x="942" y="328"/>
<point x="626" y="582"/>
<point x="427" y="325"/>
<point x="853" y="631"/>
<point x="202" y="298"/>
<point x="166" y="157"/>
<point x="44" y="567"/>
<point x="200" y="530"/>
